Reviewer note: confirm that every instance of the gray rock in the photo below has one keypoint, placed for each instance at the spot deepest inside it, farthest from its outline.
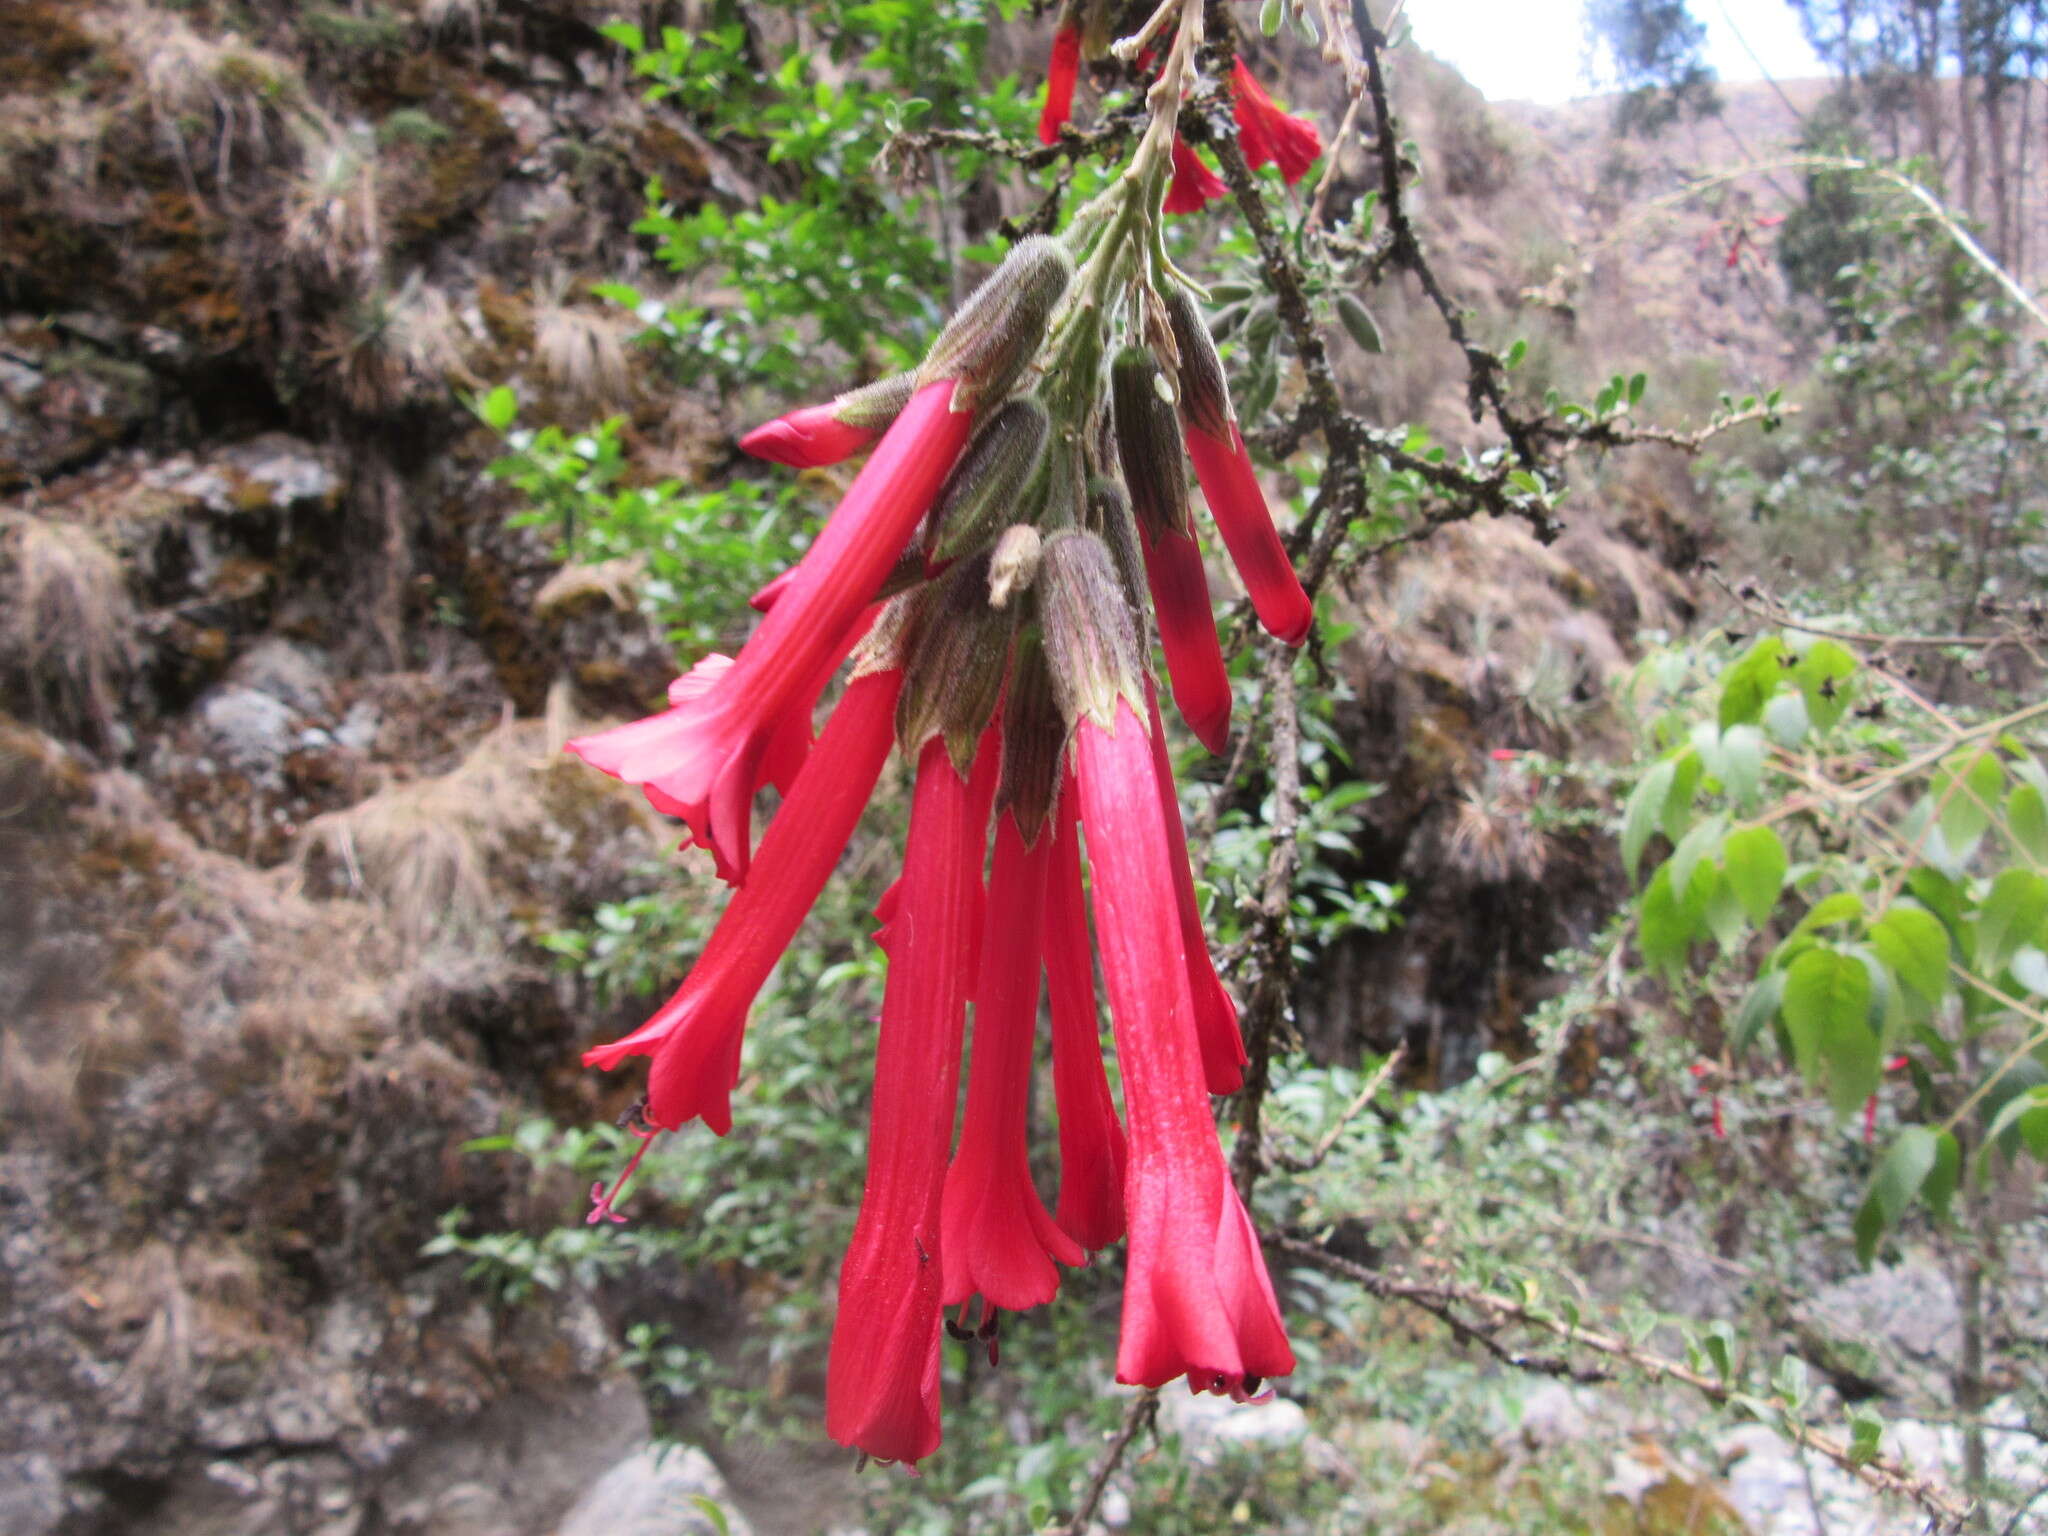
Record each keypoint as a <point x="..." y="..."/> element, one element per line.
<point x="1897" y="1326"/>
<point x="1207" y="1425"/>
<point x="298" y="675"/>
<point x="654" y="1494"/>
<point x="31" y="1495"/>
<point x="253" y="729"/>
<point x="272" y="472"/>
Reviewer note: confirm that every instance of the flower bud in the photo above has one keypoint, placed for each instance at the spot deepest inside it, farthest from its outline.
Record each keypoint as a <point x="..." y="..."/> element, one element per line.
<point x="1091" y="639"/>
<point x="818" y="435"/>
<point x="1109" y="514"/>
<point x="992" y="476"/>
<point x="1013" y="566"/>
<point x="1148" y="444"/>
<point x="954" y="679"/>
<point x="1204" y="395"/>
<point x="1033" y="736"/>
<point x="992" y="340"/>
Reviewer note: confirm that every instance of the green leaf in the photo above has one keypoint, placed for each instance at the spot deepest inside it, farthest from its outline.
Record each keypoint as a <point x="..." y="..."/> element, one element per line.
<point x="1685" y="858"/>
<point x="1645" y="807"/>
<point x="1785" y="717"/>
<point x="1831" y="911"/>
<point x="625" y="34"/>
<point x="1750" y="682"/>
<point x="1866" y="1432"/>
<point x="498" y="408"/>
<point x="1676" y="814"/>
<point x="2026" y="820"/>
<point x="1896" y="1180"/>
<point x="2022" y="1117"/>
<point x="1938" y="894"/>
<point x="1742" y="763"/>
<point x="1913" y="943"/>
<point x="1827" y="1014"/>
<point x="1940" y="1188"/>
<point x="1667" y="926"/>
<point x="1359" y="324"/>
<point x="1966" y="787"/>
<point x="1758" y="1009"/>
<point x="2009" y="918"/>
<point x="710" y="1510"/>
<point x="1756" y="863"/>
<point x="1822" y="675"/>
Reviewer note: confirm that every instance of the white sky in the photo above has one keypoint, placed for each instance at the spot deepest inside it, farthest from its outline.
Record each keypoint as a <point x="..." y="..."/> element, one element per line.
<point x="1534" y="50"/>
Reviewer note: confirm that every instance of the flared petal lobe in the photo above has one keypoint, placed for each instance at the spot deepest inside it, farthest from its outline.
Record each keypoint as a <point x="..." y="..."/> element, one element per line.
<point x="695" y="1036"/>
<point x="1231" y="486"/>
<point x="707" y="756"/>
<point x="1197" y="1300"/>
<point x="1091" y="1208"/>
<point x="1194" y="185"/>
<point x="1060" y="76"/>
<point x="882" y="1385"/>
<point x="997" y="1237"/>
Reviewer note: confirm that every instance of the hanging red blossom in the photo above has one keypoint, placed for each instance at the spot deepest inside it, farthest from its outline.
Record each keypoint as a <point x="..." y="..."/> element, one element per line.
<point x="882" y="1385"/>
<point x="1060" y="77"/>
<point x="1194" y="186"/>
<point x="1197" y="1301"/>
<point x="1267" y="135"/>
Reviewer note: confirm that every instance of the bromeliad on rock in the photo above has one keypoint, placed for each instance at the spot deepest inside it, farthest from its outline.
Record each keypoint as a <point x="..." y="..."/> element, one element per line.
<point x="988" y="574"/>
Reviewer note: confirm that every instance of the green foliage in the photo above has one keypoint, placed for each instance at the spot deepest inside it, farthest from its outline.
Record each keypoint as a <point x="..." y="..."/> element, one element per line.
<point x="1873" y="880"/>
<point x="841" y="247"/>
<point x="699" y="554"/>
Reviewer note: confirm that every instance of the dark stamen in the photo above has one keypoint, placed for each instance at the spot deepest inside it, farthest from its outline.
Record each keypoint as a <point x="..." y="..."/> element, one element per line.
<point x="1252" y="1385"/>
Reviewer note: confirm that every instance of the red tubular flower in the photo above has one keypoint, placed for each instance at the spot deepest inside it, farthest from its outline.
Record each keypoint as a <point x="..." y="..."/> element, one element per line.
<point x="882" y="1386"/>
<point x="1187" y="632"/>
<point x="1197" y="1301"/>
<point x="1266" y="134"/>
<point x="1060" y="76"/>
<point x="995" y="1235"/>
<point x="706" y="757"/>
<point x="1231" y="486"/>
<point x="1091" y="1208"/>
<point x="1223" y="1056"/>
<point x="695" y="1036"/>
<point x="1194" y="185"/>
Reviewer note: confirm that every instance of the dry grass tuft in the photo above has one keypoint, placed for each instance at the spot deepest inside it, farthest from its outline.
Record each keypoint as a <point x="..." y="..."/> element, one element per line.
<point x="332" y="221"/>
<point x="390" y="350"/>
<point x="68" y="621"/>
<point x="582" y="352"/>
<point x="213" y="99"/>
<point x="429" y="855"/>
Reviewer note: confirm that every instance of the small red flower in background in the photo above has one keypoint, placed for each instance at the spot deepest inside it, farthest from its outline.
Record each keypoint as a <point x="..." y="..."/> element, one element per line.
<point x="1267" y="135"/>
<point x="1194" y="185"/>
<point x="1060" y="76"/>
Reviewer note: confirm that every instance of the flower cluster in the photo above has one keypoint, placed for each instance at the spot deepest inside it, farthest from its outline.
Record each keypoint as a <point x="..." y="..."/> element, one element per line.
<point x="987" y="576"/>
<point x="1267" y="135"/>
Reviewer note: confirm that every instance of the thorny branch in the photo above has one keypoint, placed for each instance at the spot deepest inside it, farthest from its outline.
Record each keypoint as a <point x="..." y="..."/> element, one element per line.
<point x="1485" y="1315"/>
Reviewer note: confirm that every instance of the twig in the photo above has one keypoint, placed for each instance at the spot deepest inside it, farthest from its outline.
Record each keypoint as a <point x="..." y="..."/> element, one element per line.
<point x="1273" y="938"/>
<point x="1352" y="1111"/>
<point x="1137" y="1419"/>
<point x="1881" y="1472"/>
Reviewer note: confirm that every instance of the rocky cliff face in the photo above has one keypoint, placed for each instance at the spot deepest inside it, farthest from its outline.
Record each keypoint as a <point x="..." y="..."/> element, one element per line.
<point x="284" y="810"/>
